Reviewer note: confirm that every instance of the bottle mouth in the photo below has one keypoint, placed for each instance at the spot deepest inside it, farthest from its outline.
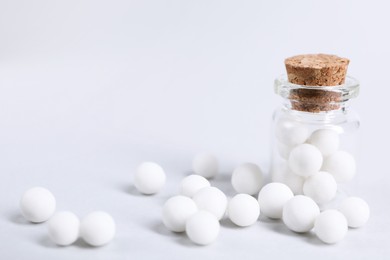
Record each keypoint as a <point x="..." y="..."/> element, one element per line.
<point x="316" y="99"/>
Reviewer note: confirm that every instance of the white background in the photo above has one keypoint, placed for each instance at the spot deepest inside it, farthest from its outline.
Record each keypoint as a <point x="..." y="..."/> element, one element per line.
<point x="89" y="89"/>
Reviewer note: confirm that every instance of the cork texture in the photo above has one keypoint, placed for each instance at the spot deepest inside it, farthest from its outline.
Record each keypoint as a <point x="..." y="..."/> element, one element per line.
<point x="316" y="70"/>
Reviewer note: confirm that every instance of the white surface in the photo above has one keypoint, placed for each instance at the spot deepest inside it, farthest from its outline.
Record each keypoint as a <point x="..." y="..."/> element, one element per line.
<point x="89" y="89"/>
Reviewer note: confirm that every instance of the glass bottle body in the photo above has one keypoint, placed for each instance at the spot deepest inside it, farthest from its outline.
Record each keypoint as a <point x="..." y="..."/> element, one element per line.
<point x="332" y="132"/>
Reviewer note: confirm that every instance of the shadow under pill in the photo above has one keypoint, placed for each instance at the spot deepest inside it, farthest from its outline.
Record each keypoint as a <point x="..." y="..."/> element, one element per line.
<point x="159" y="228"/>
<point x="17" y="218"/>
<point x="46" y="242"/>
<point x="311" y="238"/>
<point x="82" y="244"/>
<point x="227" y="223"/>
<point x="130" y="189"/>
<point x="185" y="241"/>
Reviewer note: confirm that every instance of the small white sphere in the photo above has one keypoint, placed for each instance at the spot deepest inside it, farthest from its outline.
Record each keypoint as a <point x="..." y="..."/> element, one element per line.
<point x="326" y="140"/>
<point x="149" y="178"/>
<point x="37" y="204"/>
<point x="356" y="210"/>
<point x="305" y="160"/>
<point x="176" y="211"/>
<point x="243" y="210"/>
<point x="192" y="184"/>
<point x="205" y="165"/>
<point x="63" y="228"/>
<point x="331" y="226"/>
<point x="291" y="133"/>
<point x="321" y="187"/>
<point x="299" y="213"/>
<point x="341" y="165"/>
<point x="247" y="178"/>
<point x="97" y="228"/>
<point x="202" y="228"/>
<point x="272" y="198"/>
<point x="211" y="199"/>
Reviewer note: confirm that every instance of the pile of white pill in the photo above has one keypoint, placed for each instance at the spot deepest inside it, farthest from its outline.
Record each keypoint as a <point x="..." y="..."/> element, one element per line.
<point x="311" y="162"/>
<point x="199" y="206"/>
<point x="314" y="167"/>
<point x="38" y="205"/>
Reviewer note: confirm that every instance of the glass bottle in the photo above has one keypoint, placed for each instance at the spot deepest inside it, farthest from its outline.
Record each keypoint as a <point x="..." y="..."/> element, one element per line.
<point x="319" y="116"/>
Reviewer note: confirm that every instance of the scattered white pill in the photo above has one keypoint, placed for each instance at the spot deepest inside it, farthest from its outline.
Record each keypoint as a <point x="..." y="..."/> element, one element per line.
<point x="321" y="187"/>
<point x="243" y="210"/>
<point x="63" y="228"/>
<point x="149" y="178"/>
<point x="305" y="160"/>
<point x="331" y="226"/>
<point x="356" y="210"/>
<point x="192" y="184"/>
<point x="211" y="199"/>
<point x="326" y="140"/>
<point x="176" y="211"/>
<point x="37" y="204"/>
<point x="205" y="165"/>
<point x="247" y="178"/>
<point x="97" y="228"/>
<point x="272" y="198"/>
<point x="291" y="133"/>
<point x="299" y="213"/>
<point x="341" y="165"/>
<point x="202" y="228"/>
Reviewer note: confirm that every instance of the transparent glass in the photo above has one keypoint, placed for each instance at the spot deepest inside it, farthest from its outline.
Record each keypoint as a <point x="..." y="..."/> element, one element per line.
<point x="307" y="110"/>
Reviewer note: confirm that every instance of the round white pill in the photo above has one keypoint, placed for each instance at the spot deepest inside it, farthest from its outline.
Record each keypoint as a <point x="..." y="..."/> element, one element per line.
<point x="247" y="178"/>
<point x="205" y="165"/>
<point x="299" y="213"/>
<point x="291" y="133"/>
<point x="341" y="165"/>
<point x="211" y="199"/>
<point x="356" y="210"/>
<point x="37" y="204"/>
<point x="192" y="184"/>
<point x="97" y="228"/>
<point x="243" y="210"/>
<point x="326" y="140"/>
<point x="63" y="228"/>
<point x="321" y="187"/>
<point x="176" y="211"/>
<point x="331" y="226"/>
<point x="202" y="228"/>
<point x="272" y="198"/>
<point x="149" y="178"/>
<point x="305" y="160"/>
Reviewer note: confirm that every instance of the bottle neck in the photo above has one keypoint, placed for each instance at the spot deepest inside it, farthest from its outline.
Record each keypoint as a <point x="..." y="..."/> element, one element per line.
<point x="331" y="116"/>
<point x="317" y="103"/>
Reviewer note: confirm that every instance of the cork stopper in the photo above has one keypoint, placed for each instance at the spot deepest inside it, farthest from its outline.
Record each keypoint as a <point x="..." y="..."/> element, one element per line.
<point x="316" y="70"/>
